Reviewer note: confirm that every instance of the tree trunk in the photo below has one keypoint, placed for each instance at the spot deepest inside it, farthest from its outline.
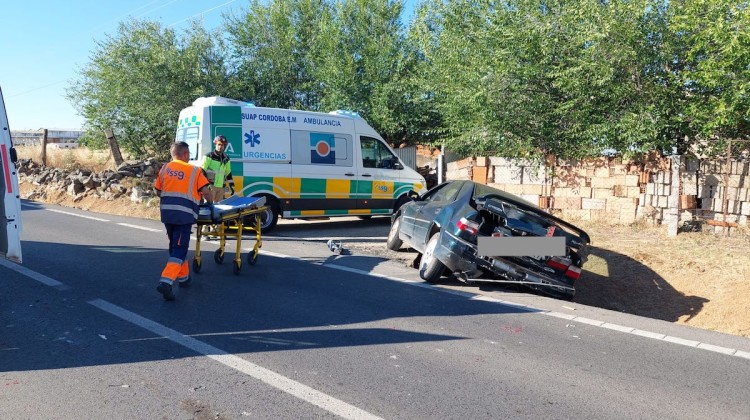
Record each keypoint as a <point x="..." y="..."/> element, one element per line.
<point x="113" y="146"/>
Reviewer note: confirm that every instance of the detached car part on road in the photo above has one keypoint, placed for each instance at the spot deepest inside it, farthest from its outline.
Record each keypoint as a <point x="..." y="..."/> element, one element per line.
<point x="443" y="226"/>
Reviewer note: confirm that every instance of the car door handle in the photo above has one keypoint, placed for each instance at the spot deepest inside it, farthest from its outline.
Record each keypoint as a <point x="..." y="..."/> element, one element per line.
<point x="349" y="174"/>
<point x="366" y="175"/>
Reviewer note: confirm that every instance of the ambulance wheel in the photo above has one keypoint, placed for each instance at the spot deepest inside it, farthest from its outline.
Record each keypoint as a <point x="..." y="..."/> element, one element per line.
<point x="236" y="267"/>
<point x="218" y="256"/>
<point x="252" y="257"/>
<point x="196" y="266"/>
<point x="268" y="218"/>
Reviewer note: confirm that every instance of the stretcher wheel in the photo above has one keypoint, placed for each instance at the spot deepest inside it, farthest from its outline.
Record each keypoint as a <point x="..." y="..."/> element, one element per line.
<point x="236" y="267"/>
<point x="196" y="266"/>
<point x="219" y="256"/>
<point x="252" y="257"/>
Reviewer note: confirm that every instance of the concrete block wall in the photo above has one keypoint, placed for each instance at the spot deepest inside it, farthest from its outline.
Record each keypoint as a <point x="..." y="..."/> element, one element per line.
<point x="617" y="191"/>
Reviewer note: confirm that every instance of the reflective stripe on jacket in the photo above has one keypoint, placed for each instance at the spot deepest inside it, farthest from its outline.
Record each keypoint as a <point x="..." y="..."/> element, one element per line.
<point x="179" y="183"/>
<point x="221" y="166"/>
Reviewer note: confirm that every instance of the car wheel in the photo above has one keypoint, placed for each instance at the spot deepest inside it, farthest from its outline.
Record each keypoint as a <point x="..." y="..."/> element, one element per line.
<point x="394" y="242"/>
<point x="430" y="268"/>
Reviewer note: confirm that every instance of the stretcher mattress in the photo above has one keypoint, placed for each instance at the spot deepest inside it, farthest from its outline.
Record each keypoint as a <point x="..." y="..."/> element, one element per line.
<point x="230" y="208"/>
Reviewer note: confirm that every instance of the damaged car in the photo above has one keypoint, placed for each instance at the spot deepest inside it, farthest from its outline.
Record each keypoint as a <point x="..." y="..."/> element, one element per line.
<point x="444" y="225"/>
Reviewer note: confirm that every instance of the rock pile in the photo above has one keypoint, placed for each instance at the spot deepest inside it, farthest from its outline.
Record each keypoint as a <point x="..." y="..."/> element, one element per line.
<point x="133" y="178"/>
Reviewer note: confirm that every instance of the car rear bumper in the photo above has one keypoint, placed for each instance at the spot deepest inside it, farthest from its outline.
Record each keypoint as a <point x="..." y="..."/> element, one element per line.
<point x="461" y="257"/>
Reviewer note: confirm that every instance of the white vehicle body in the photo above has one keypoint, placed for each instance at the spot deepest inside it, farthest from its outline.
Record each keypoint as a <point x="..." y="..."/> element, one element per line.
<point x="306" y="164"/>
<point x="10" y="208"/>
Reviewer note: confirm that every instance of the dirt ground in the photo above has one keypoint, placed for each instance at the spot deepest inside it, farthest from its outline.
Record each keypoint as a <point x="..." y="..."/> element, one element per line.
<point x="698" y="279"/>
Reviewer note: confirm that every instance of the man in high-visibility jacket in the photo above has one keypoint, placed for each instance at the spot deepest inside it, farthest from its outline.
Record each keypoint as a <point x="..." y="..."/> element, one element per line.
<point x="180" y="186"/>
<point x="219" y="169"/>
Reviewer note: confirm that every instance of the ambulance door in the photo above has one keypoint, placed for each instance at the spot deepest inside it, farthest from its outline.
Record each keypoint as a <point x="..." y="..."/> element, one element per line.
<point x="10" y="207"/>
<point x="379" y="175"/>
<point x="324" y="169"/>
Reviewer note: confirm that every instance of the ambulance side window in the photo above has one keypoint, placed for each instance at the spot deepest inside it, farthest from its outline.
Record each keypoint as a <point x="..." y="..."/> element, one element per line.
<point x="375" y="154"/>
<point x="190" y="136"/>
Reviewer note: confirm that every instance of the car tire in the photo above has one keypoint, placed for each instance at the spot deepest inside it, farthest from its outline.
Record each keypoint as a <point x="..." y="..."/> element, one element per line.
<point x="394" y="242"/>
<point x="430" y="268"/>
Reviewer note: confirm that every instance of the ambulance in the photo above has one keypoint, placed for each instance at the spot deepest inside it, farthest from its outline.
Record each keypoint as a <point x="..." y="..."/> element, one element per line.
<point x="306" y="164"/>
<point x="10" y="208"/>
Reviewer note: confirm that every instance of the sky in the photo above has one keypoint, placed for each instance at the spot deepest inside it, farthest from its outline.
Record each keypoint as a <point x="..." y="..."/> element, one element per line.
<point x="44" y="42"/>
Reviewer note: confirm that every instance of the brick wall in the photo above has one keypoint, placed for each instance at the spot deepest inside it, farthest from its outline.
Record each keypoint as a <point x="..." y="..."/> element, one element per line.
<point x="658" y="189"/>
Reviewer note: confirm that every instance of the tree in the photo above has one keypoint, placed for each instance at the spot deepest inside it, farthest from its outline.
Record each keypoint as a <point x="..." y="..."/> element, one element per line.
<point x="714" y="75"/>
<point x="276" y="50"/>
<point x="139" y="79"/>
<point x="323" y="55"/>
<point x="525" y="78"/>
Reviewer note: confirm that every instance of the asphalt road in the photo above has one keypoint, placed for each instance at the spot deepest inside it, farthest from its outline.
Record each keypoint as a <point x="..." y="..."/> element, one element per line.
<point x="306" y="333"/>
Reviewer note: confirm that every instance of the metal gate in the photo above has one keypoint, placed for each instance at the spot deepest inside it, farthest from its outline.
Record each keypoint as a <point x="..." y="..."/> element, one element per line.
<point x="408" y="155"/>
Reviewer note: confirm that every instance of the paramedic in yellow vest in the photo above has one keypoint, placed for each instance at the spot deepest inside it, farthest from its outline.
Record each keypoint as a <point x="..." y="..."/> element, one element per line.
<point x="180" y="186"/>
<point x="218" y="168"/>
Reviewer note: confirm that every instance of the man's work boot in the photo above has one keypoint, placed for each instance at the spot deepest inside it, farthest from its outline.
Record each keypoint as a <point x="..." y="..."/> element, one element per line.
<point x="166" y="290"/>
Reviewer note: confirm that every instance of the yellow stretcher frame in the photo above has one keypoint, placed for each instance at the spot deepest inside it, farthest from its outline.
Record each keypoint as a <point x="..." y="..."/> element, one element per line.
<point x="221" y="229"/>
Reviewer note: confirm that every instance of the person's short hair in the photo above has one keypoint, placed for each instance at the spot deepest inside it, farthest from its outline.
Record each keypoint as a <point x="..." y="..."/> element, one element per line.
<point x="178" y="148"/>
<point x="220" y="139"/>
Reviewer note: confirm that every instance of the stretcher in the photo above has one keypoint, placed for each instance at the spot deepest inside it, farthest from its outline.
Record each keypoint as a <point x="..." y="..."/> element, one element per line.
<point x="216" y="220"/>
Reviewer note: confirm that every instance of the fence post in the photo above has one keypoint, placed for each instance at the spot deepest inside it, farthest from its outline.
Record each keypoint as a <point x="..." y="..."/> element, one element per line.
<point x="673" y="201"/>
<point x="43" y="157"/>
<point x="113" y="146"/>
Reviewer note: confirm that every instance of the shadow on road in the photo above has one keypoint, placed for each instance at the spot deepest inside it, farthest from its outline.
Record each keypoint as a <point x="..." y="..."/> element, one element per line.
<point x="624" y="285"/>
<point x="279" y="304"/>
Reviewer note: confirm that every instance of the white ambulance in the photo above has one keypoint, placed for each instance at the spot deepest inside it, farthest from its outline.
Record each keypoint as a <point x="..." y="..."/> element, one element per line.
<point x="10" y="208"/>
<point x="306" y="164"/>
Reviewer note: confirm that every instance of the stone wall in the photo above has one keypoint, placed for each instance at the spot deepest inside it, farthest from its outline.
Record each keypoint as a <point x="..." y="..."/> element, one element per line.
<point x="131" y="179"/>
<point x="667" y="190"/>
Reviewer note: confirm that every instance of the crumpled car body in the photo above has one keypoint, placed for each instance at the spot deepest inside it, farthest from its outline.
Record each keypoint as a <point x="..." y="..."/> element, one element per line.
<point x="445" y="223"/>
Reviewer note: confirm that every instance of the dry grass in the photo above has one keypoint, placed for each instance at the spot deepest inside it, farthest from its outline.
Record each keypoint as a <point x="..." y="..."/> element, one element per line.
<point x="698" y="278"/>
<point x="69" y="159"/>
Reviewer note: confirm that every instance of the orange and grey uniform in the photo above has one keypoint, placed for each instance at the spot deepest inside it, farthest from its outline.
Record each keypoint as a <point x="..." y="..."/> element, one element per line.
<point x="179" y="183"/>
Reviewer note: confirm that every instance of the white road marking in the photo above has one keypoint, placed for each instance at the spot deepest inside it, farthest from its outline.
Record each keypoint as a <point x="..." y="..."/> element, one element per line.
<point x="140" y="227"/>
<point x="617" y="327"/>
<point x="596" y="323"/>
<point x="299" y="390"/>
<point x="98" y="219"/>
<point x="41" y="278"/>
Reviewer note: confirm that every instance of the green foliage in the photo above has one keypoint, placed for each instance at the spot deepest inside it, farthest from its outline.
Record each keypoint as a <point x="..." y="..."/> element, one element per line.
<point x="365" y="66"/>
<point x="275" y="48"/>
<point x="523" y="78"/>
<point x="715" y="74"/>
<point x="137" y="82"/>
<point x="519" y="78"/>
